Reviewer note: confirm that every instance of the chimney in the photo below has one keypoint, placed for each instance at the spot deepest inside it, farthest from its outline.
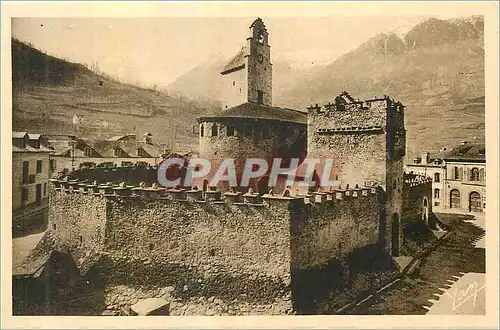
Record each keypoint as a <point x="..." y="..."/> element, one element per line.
<point x="148" y="138"/>
<point x="425" y="158"/>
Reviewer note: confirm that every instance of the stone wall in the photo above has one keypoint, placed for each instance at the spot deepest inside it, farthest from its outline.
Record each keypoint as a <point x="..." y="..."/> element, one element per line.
<point x="78" y="223"/>
<point x="260" y="75"/>
<point x="366" y="141"/>
<point x="196" y="252"/>
<point x="334" y="226"/>
<point x="354" y="139"/>
<point x="253" y="139"/>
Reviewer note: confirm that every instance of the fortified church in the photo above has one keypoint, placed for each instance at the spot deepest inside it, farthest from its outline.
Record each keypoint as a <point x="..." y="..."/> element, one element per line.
<point x="256" y="250"/>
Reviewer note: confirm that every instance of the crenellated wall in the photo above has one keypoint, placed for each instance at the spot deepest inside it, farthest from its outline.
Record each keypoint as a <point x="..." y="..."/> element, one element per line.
<point x="366" y="141"/>
<point x="240" y="249"/>
<point x="335" y="225"/>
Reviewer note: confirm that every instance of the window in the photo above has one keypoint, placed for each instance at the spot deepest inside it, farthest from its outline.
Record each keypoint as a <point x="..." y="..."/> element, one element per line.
<point x="233" y="83"/>
<point x="24" y="195"/>
<point x="116" y="152"/>
<point x="26" y="171"/>
<point x="87" y="152"/>
<point x="260" y="97"/>
<point x="474" y="174"/>
<point x="456" y="173"/>
<point x="266" y="132"/>
<point x="52" y="163"/>
<point x="436" y="177"/>
<point x="39" y="165"/>
<point x="436" y="193"/>
<point x="45" y="189"/>
<point x="201" y="130"/>
<point x="215" y="131"/>
<point x="230" y="131"/>
<point x="248" y="129"/>
<point x="455" y="199"/>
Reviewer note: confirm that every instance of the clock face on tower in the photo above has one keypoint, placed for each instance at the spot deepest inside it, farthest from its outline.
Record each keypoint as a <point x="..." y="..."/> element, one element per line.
<point x="260" y="58"/>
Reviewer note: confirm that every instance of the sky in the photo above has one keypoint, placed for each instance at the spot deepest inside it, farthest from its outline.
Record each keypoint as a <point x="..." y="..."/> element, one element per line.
<point x="156" y="51"/>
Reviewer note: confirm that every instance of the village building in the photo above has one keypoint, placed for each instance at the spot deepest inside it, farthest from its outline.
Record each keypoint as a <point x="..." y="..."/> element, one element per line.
<point x="72" y="152"/>
<point x="30" y="175"/>
<point x="458" y="177"/>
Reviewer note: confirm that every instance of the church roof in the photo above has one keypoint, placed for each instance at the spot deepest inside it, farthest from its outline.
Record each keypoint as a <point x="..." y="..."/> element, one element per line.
<point x="260" y="111"/>
<point x="236" y="63"/>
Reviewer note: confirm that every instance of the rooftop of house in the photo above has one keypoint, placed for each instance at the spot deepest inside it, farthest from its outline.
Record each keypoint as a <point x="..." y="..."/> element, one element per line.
<point x="236" y="63"/>
<point x="22" y="247"/>
<point x="105" y="148"/>
<point x="259" y="111"/>
<point x="28" y="142"/>
<point x="463" y="152"/>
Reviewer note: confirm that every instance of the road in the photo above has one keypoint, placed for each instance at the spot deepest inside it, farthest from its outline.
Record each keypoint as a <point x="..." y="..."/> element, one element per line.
<point x="456" y="256"/>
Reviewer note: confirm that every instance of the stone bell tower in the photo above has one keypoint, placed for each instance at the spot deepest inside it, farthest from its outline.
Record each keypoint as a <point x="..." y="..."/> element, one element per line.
<point x="248" y="75"/>
<point x="260" y="70"/>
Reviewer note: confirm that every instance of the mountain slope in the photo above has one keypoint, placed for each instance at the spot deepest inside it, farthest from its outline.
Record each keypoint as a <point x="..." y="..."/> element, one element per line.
<point x="437" y="71"/>
<point x="49" y="92"/>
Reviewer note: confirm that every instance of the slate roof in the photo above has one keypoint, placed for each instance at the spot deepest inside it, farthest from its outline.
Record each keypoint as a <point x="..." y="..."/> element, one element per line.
<point x="42" y="149"/>
<point x="18" y="135"/>
<point x="236" y="63"/>
<point x="472" y="151"/>
<point x="34" y="136"/>
<point x="121" y="137"/>
<point x="104" y="148"/>
<point x="30" y="253"/>
<point x="259" y="111"/>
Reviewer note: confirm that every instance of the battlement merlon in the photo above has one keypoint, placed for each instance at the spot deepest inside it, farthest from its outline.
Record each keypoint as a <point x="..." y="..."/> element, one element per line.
<point x="361" y="113"/>
<point x="121" y="191"/>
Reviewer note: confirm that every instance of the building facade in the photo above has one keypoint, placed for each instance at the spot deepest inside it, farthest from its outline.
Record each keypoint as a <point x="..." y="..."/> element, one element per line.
<point x="30" y="174"/>
<point x="458" y="177"/>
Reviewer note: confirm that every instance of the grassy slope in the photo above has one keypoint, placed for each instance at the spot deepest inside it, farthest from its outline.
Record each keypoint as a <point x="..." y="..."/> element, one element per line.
<point x="48" y="92"/>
